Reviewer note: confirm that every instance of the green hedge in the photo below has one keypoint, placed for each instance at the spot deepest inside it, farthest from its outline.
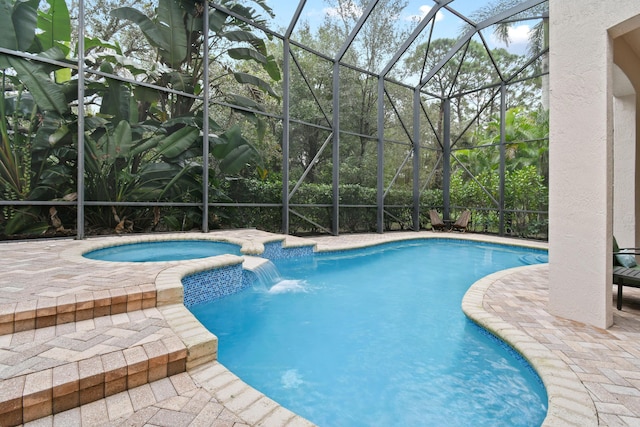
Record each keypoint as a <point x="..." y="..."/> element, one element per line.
<point x="352" y="219"/>
<point x="524" y="191"/>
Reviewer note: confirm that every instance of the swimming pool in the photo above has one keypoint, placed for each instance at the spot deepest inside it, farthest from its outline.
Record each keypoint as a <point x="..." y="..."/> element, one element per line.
<point x="165" y="250"/>
<point x="377" y="337"/>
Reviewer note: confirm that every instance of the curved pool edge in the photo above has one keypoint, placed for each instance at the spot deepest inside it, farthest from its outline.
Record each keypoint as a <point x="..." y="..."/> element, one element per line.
<point x="252" y="406"/>
<point x="569" y="402"/>
<point x="244" y="401"/>
<point x="249" y="245"/>
<point x="361" y="241"/>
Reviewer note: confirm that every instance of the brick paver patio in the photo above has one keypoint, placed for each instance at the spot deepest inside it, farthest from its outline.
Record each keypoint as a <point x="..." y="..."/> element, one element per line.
<point x="92" y="343"/>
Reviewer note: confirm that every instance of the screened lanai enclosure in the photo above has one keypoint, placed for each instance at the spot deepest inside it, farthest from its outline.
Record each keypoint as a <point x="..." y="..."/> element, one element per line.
<point x="304" y="117"/>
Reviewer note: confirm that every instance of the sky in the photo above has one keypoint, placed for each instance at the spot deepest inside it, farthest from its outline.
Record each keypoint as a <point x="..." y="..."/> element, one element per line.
<point x="447" y="24"/>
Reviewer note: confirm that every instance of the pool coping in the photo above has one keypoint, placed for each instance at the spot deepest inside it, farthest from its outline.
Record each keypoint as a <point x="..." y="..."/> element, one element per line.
<point x="568" y="400"/>
<point x="249" y="245"/>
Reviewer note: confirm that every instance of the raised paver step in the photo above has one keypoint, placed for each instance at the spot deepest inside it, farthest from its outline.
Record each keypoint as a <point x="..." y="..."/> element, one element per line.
<point x="174" y="401"/>
<point x="180" y="400"/>
<point x="43" y="312"/>
<point x="50" y="370"/>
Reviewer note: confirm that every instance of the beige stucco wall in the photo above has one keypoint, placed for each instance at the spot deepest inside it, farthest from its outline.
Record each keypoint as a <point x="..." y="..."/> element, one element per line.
<point x="627" y="61"/>
<point x="624" y="168"/>
<point x="624" y="156"/>
<point x="626" y="58"/>
<point x="581" y="155"/>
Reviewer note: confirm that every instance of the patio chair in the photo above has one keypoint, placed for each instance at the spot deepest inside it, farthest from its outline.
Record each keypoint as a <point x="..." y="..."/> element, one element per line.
<point x="436" y="221"/>
<point x="626" y="271"/>
<point x="462" y="222"/>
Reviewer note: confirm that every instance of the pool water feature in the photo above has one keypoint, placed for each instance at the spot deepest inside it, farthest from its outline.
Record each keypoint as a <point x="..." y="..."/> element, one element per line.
<point x="166" y="250"/>
<point x="377" y="337"/>
<point x="268" y="279"/>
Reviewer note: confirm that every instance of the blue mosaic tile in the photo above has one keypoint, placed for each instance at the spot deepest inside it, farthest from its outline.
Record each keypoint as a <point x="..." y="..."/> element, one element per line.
<point x="212" y="284"/>
<point x="207" y="286"/>
<point x="248" y="278"/>
<point x="274" y="250"/>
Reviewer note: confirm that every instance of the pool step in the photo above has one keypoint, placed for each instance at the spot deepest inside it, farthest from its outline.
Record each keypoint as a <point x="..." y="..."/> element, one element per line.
<point x="178" y="400"/>
<point x="175" y="400"/>
<point x="46" y="312"/>
<point x="52" y="369"/>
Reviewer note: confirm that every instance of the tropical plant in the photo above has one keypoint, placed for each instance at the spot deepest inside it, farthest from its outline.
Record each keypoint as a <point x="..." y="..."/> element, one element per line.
<point x="142" y="144"/>
<point x="174" y="31"/>
<point x="538" y="35"/>
<point x="36" y="160"/>
<point x="525" y="139"/>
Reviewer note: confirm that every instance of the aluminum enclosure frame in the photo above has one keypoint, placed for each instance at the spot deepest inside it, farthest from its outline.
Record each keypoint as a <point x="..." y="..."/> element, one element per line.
<point x="338" y="63"/>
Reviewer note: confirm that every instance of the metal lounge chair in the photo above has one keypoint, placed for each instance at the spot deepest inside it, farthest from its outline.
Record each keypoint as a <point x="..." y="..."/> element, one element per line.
<point x="462" y="222"/>
<point x="626" y="272"/>
<point x="436" y="221"/>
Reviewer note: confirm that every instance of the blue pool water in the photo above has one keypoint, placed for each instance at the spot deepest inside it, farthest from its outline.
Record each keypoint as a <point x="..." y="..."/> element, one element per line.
<point x="376" y="337"/>
<point x="169" y="250"/>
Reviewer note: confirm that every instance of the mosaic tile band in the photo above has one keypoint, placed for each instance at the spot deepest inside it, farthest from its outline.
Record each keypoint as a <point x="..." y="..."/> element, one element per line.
<point x="209" y="285"/>
<point x="274" y="250"/>
<point x="212" y="284"/>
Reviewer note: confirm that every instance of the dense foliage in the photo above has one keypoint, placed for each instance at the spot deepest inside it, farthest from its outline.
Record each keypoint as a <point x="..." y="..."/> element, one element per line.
<point x="143" y="126"/>
<point x="142" y="118"/>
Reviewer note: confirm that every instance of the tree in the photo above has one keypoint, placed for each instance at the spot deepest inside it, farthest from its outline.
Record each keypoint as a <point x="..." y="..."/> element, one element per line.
<point x="475" y="71"/>
<point x="141" y="143"/>
<point x="102" y="25"/>
<point x="311" y="95"/>
<point x="372" y="48"/>
<point x="525" y="143"/>
<point x="538" y="36"/>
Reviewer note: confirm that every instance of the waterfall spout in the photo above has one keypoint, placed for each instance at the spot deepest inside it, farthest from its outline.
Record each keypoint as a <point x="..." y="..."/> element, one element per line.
<point x="269" y="279"/>
<point x="267" y="275"/>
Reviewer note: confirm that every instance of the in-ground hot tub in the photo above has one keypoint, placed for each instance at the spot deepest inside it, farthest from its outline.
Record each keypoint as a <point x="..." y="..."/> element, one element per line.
<point x="165" y="250"/>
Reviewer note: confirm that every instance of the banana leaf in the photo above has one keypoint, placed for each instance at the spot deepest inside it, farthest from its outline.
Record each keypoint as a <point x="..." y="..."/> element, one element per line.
<point x="237" y="159"/>
<point x="171" y="23"/>
<point x="46" y="93"/>
<point x="18" y="22"/>
<point x="245" y="78"/>
<point x="175" y="144"/>
<point x="168" y="34"/>
<point x="55" y="25"/>
<point x="233" y="151"/>
<point x="149" y="28"/>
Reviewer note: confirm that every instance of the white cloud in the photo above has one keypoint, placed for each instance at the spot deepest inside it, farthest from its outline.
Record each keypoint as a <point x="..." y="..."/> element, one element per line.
<point x="518" y="35"/>
<point x="350" y="10"/>
<point x="424" y="9"/>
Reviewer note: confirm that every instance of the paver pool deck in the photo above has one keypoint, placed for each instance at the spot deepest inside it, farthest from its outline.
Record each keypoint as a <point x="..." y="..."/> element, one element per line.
<point x="92" y="343"/>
